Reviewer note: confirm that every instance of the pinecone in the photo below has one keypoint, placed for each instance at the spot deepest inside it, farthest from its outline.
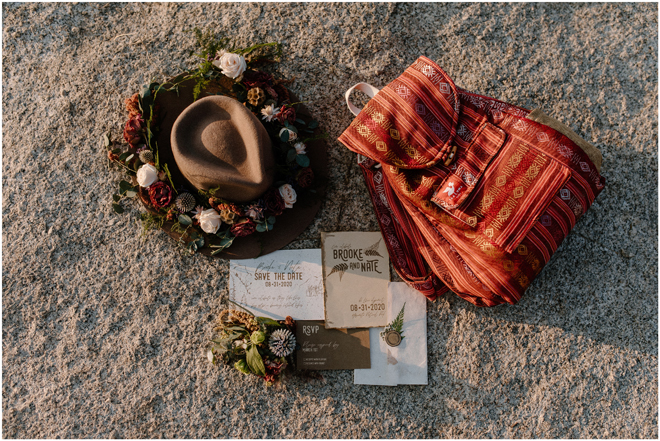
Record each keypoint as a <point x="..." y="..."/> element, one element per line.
<point x="282" y="342"/>
<point x="256" y="96"/>
<point x="185" y="202"/>
<point x="146" y="156"/>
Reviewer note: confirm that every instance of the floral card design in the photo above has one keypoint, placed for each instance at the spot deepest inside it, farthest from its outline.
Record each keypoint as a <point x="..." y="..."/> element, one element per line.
<point x="280" y="284"/>
<point x="356" y="270"/>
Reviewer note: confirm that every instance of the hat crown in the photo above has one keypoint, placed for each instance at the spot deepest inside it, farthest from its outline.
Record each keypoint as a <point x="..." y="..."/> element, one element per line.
<point x="218" y="143"/>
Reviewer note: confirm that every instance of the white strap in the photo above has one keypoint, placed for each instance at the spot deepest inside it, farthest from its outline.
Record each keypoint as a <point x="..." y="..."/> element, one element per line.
<point x="364" y="87"/>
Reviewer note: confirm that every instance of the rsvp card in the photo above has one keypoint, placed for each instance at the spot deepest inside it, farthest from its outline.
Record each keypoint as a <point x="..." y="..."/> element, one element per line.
<point x="356" y="270"/>
<point x="322" y="348"/>
<point x="286" y="282"/>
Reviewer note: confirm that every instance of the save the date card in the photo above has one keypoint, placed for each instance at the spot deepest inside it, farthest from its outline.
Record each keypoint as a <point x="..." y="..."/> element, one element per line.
<point x="286" y="282"/>
<point x="356" y="270"/>
<point x="322" y="348"/>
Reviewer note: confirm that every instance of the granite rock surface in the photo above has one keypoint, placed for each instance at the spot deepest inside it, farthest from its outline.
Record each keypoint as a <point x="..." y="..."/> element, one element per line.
<point x="104" y="331"/>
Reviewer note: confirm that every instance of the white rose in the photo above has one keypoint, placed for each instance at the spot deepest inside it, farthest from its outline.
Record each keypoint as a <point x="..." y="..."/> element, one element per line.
<point x="300" y="148"/>
<point x="209" y="220"/>
<point x="289" y="195"/>
<point x="147" y="175"/>
<point x="292" y="135"/>
<point x="232" y="65"/>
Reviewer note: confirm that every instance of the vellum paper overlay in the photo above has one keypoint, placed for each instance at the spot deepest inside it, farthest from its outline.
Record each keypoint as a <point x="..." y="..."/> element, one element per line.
<point x="280" y="284"/>
<point x="407" y="362"/>
<point x="356" y="270"/>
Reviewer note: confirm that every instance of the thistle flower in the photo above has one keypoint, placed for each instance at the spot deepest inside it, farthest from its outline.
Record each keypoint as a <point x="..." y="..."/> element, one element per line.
<point x="282" y="342"/>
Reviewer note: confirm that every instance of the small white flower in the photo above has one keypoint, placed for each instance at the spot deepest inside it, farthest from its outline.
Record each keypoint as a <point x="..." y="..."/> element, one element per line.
<point x="300" y="148"/>
<point x="210" y="356"/>
<point x="244" y="345"/>
<point x="289" y="195"/>
<point x="210" y="221"/>
<point x="147" y="175"/>
<point x="292" y="135"/>
<point x="231" y="65"/>
<point x="198" y="211"/>
<point x="269" y="112"/>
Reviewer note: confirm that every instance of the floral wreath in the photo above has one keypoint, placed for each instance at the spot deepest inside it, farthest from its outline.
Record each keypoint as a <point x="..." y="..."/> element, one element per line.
<point x="234" y="71"/>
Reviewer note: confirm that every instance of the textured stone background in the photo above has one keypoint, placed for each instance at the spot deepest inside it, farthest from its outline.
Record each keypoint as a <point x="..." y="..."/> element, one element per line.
<point x="104" y="331"/>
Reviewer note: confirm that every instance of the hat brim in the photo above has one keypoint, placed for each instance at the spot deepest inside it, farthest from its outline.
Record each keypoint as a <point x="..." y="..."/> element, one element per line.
<point x="289" y="225"/>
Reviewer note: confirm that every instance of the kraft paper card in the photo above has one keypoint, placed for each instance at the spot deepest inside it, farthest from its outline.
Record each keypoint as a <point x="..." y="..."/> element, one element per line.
<point x="405" y="363"/>
<point x="322" y="348"/>
<point x="356" y="270"/>
<point x="288" y="282"/>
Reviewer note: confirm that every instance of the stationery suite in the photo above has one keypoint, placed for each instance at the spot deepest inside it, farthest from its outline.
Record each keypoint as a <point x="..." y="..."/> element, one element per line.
<point x="348" y="315"/>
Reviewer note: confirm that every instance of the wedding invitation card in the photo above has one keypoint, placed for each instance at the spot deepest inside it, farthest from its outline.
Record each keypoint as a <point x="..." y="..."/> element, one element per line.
<point x="286" y="282"/>
<point x="321" y="348"/>
<point x="398" y="351"/>
<point x="356" y="270"/>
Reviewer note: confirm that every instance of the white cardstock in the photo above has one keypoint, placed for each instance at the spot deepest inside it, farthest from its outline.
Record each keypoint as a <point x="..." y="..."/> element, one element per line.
<point x="406" y="363"/>
<point x="288" y="282"/>
<point x="356" y="268"/>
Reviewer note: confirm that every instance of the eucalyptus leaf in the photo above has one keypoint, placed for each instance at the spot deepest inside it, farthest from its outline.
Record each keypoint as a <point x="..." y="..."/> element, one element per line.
<point x="255" y="362"/>
<point x="291" y="155"/>
<point x="302" y="160"/>
<point x="261" y="228"/>
<point x="300" y="121"/>
<point x="200" y="242"/>
<point x="106" y="140"/>
<point x="271" y="219"/>
<point x="284" y="136"/>
<point x="125" y="186"/>
<point x="131" y="194"/>
<point x="124" y="155"/>
<point x="130" y="157"/>
<point x="313" y="124"/>
<point x="185" y="219"/>
<point x="145" y="92"/>
<point x="118" y="208"/>
<point x="116" y="197"/>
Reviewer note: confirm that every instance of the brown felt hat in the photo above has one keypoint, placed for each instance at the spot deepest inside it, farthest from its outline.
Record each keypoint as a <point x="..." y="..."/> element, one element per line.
<point x="218" y="143"/>
<point x="215" y="141"/>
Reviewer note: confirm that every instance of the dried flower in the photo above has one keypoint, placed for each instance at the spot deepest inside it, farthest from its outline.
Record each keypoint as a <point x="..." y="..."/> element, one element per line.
<point x="185" y="202"/>
<point x="305" y="177"/>
<point x="255" y="212"/>
<point x="269" y="112"/>
<point x="133" y="106"/>
<point x="282" y="342"/>
<point x="133" y="130"/>
<point x="301" y="149"/>
<point x="254" y="78"/>
<point x="146" y="156"/>
<point x="286" y="113"/>
<point x="160" y="194"/>
<point x="244" y="227"/>
<point x="228" y="217"/>
<point x="274" y="202"/>
<point x="292" y="135"/>
<point x="288" y="195"/>
<point x="256" y="96"/>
